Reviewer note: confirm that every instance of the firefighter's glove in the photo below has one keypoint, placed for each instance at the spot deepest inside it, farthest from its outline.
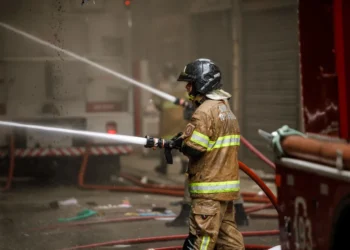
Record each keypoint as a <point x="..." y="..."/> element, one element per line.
<point x="173" y="143"/>
<point x="182" y="102"/>
<point x="176" y="142"/>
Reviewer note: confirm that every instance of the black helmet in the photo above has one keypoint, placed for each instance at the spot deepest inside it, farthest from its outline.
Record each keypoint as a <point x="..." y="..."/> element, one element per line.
<point x="204" y="75"/>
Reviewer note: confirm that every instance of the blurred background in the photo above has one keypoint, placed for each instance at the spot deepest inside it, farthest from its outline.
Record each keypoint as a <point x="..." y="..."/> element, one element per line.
<point x="254" y="42"/>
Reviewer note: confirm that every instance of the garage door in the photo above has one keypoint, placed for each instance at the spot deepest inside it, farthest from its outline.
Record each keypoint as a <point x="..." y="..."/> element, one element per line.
<point x="270" y="76"/>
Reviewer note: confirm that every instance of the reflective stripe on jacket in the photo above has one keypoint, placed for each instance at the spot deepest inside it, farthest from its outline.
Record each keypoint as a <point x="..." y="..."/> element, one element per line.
<point x="214" y="130"/>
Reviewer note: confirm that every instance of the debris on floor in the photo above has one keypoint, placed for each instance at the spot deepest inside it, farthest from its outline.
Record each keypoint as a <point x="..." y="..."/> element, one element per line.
<point x="125" y="204"/>
<point x="86" y="213"/>
<point x="68" y="202"/>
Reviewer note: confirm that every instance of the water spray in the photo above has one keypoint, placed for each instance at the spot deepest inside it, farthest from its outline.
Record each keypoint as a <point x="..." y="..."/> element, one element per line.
<point x="148" y="142"/>
<point x="93" y="64"/>
<point x="114" y="137"/>
<point x="162" y="94"/>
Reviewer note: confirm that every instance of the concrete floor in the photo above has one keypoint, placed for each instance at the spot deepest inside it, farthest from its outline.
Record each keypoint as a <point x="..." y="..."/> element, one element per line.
<point x="26" y="207"/>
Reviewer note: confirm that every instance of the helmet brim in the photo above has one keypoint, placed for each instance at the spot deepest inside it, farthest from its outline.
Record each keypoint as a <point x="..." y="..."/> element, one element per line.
<point x="183" y="77"/>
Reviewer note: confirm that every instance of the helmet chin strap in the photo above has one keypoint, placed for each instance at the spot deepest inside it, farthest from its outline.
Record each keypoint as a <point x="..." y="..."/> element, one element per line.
<point x="198" y="99"/>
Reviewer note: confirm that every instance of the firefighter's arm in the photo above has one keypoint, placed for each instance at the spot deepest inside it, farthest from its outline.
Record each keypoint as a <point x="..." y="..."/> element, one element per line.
<point x="157" y="102"/>
<point x="196" y="135"/>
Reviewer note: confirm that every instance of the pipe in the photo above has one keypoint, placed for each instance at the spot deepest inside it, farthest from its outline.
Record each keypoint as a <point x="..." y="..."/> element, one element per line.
<point x="258" y="153"/>
<point x="105" y="221"/>
<point x="263" y="216"/>
<point x="123" y="77"/>
<point x="137" y="182"/>
<point x="12" y="164"/>
<point x="247" y="247"/>
<point x="261" y="184"/>
<point x="131" y="219"/>
<point x="118" y="188"/>
<point x="158" y="190"/>
<point x="258" y="208"/>
<point x="315" y="150"/>
<point x="163" y="238"/>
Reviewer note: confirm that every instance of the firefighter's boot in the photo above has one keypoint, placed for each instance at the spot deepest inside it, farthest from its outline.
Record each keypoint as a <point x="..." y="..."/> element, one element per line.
<point x="161" y="170"/>
<point x="240" y="215"/>
<point x="182" y="219"/>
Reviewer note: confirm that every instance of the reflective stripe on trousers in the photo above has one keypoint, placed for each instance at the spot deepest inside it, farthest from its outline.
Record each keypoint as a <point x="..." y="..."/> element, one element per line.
<point x="214" y="187"/>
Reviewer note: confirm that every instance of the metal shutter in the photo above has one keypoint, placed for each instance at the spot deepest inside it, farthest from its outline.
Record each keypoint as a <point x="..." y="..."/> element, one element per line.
<point x="270" y="76"/>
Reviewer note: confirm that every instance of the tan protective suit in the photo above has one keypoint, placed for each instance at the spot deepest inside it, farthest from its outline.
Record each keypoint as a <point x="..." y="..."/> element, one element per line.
<point x="213" y="178"/>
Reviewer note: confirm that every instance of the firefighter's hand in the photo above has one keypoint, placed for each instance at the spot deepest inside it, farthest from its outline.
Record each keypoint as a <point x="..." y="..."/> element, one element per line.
<point x="175" y="142"/>
<point x="183" y="102"/>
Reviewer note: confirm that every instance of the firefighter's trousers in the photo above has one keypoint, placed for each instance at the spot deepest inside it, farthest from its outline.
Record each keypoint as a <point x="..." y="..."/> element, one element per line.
<point x="212" y="226"/>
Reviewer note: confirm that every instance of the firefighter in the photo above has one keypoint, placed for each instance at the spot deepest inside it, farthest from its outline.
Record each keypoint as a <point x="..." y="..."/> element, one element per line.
<point x="171" y="115"/>
<point x="182" y="219"/>
<point x="211" y="141"/>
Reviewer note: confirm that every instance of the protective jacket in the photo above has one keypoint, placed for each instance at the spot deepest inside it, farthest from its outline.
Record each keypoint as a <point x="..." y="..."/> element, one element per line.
<point x="214" y="132"/>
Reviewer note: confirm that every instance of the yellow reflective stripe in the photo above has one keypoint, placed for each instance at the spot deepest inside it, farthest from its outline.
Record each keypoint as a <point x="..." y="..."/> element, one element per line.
<point x="214" y="187"/>
<point x="200" y="139"/>
<point x="205" y="243"/>
<point x="225" y="141"/>
<point x="221" y="142"/>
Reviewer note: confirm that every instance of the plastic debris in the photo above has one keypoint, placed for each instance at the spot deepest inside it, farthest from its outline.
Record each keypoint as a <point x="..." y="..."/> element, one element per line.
<point x="125" y="204"/>
<point x="68" y="202"/>
<point x="86" y="213"/>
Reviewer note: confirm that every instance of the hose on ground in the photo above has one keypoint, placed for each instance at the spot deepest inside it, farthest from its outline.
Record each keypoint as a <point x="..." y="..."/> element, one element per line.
<point x="159" y="190"/>
<point x="247" y="247"/>
<point x="163" y="238"/>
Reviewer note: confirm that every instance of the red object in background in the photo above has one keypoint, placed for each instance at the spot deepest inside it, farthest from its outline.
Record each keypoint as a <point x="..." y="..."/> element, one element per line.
<point x="318" y="75"/>
<point x="314" y="198"/>
<point x="92" y="107"/>
<point x="127" y="3"/>
<point x="2" y="109"/>
<point x="111" y="127"/>
<point x="341" y="11"/>
<point x="310" y="205"/>
<point x="325" y="66"/>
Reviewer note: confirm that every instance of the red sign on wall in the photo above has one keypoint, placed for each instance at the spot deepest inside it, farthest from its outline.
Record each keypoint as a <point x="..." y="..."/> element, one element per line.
<point x="92" y="107"/>
<point x="2" y="109"/>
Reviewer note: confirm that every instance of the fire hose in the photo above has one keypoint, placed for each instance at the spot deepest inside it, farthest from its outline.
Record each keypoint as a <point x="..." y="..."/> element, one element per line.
<point x="81" y="176"/>
<point x="164" y="238"/>
<point x="123" y="138"/>
<point x="289" y="142"/>
<point x="179" y="193"/>
<point x="249" y="172"/>
<point x="248" y="196"/>
<point x="247" y="247"/>
<point x="81" y="183"/>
